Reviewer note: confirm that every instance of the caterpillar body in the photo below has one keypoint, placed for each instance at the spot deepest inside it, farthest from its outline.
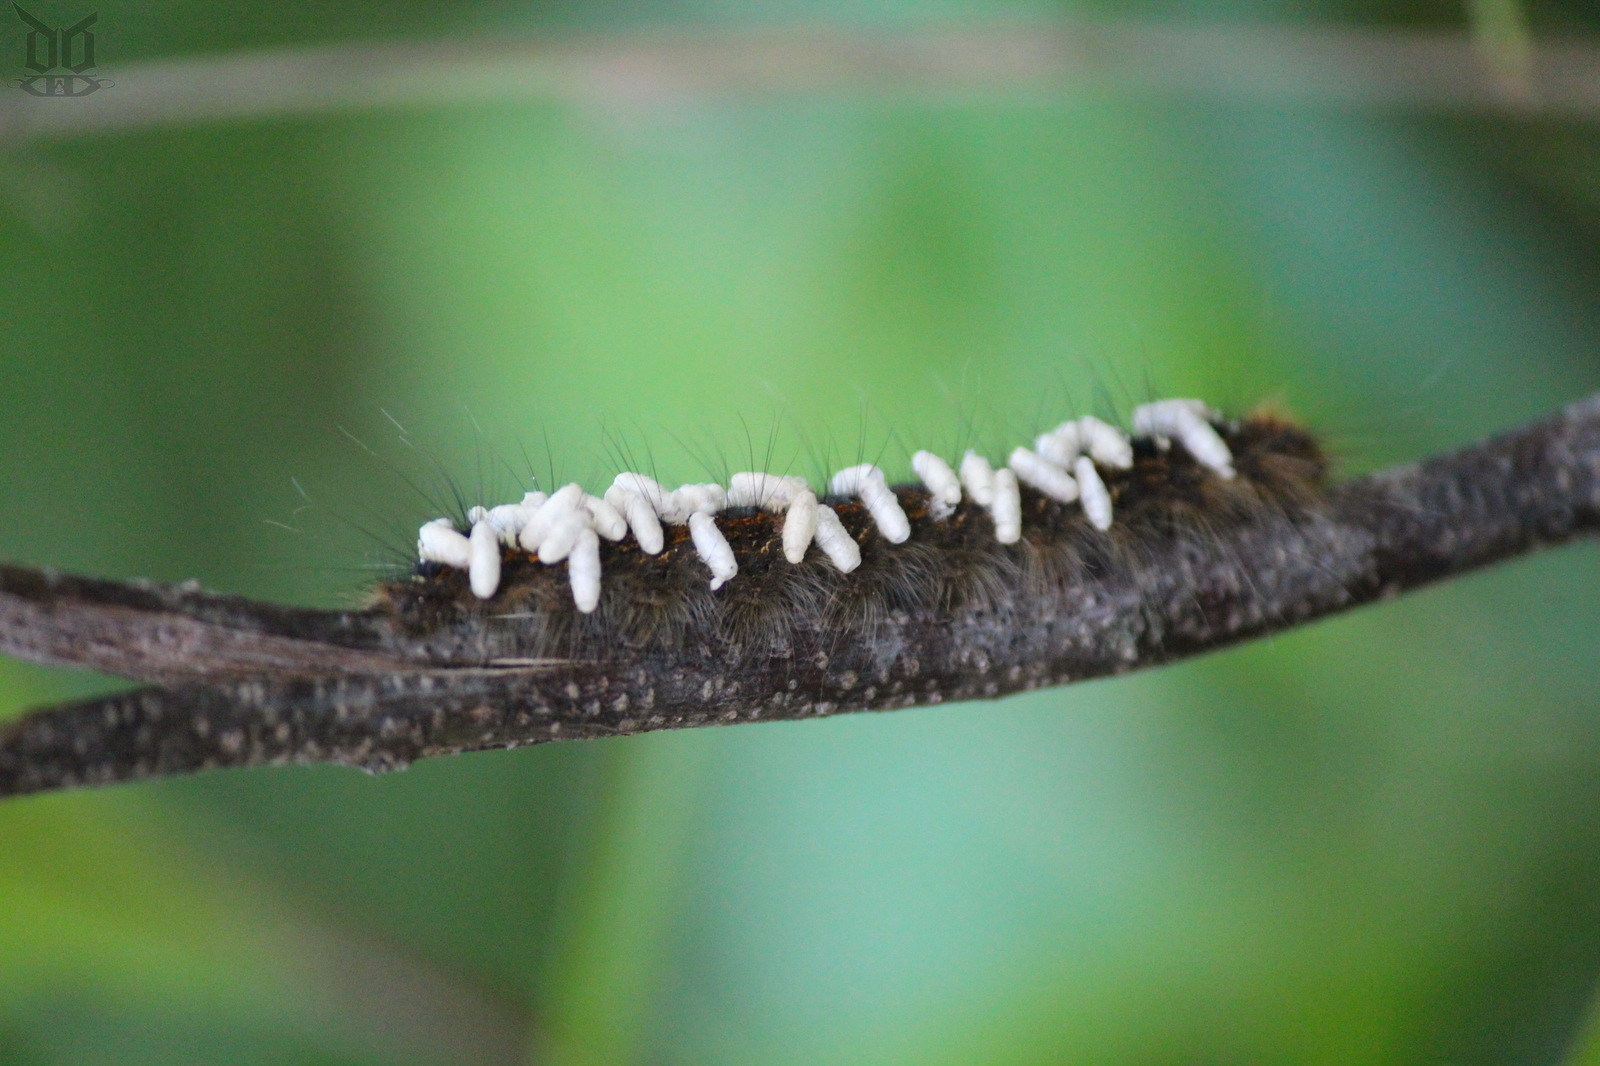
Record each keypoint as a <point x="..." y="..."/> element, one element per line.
<point x="647" y="565"/>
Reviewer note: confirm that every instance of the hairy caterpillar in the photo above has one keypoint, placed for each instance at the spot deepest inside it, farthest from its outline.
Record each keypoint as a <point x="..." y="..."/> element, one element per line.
<point x="1213" y="541"/>
<point x="550" y="526"/>
<point x="914" y="551"/>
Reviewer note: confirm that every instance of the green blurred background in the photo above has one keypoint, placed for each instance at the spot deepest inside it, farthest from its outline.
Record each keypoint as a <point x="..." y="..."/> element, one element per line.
<point x="1374" y="840"/>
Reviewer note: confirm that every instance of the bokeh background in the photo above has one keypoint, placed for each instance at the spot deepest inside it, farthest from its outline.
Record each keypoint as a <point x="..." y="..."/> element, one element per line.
<point x="1374" y="840"/>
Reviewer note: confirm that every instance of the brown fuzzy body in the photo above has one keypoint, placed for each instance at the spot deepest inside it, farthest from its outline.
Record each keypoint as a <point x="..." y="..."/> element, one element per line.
<point x="657" y="605"/>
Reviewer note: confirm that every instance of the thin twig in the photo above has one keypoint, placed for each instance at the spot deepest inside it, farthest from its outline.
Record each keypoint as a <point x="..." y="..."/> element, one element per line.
<point x="1321" y="65"/>
<point x="248" y="683"/>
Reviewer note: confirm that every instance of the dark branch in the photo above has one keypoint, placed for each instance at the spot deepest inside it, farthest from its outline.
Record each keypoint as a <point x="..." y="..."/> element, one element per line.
<point x="421" y="674"/>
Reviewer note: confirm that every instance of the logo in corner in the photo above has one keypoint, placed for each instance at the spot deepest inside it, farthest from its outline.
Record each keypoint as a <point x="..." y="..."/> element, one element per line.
<point x="59" y="62"/>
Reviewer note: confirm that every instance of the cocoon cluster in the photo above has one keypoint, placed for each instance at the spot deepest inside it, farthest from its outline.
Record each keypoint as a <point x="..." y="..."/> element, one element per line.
<point x="568" y="524"/>
<point x="629" y="495"/>
<point x="997" y="491"/>
<point x="1104" y="443"/>
<point x="1188" y="422"/>
<point x="632" y="493"/>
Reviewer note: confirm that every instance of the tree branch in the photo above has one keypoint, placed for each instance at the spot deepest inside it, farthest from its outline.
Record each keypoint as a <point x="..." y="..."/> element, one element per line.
<point x="1190" y="566"/>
